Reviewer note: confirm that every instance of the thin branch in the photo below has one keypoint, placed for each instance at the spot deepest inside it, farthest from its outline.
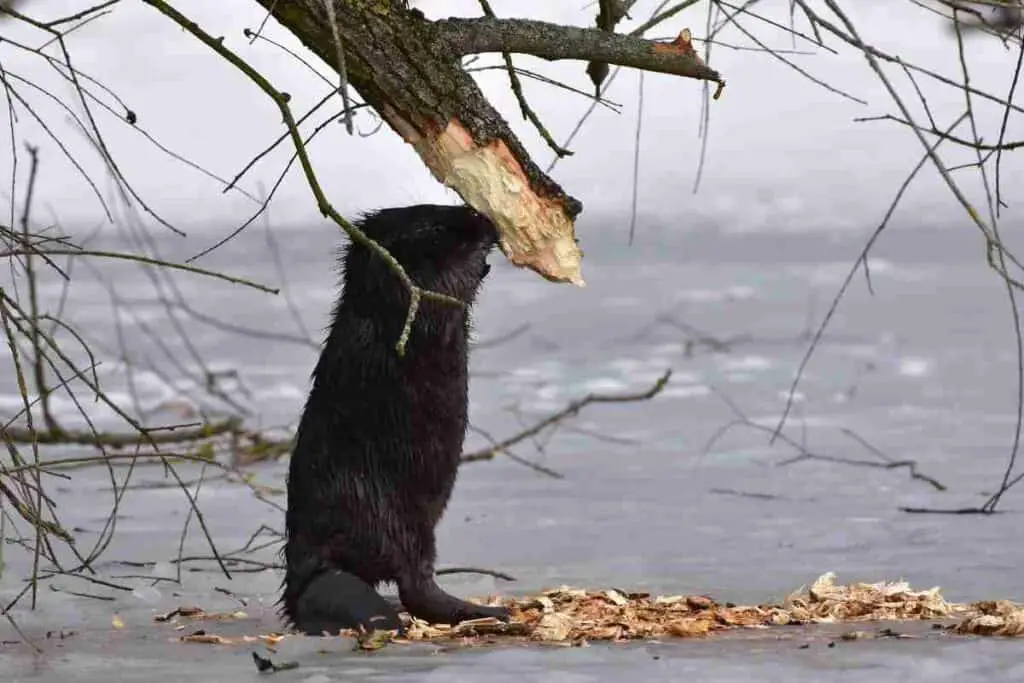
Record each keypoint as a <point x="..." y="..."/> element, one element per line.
<point x="569" y="411"/>
<point x="636" y="157"/>
<point x="146" y="260"/>
<point x="341" y="66"/>
<point x="804" y="454"/>
<point x="416" y="293"/>
<point x="932" y="129"/>
<point x="861" y="260"/>
<point x="38" y="369"/>
<point x="83" y="14"/>
<point x="117" y="440"/>
<point x="554" y="42"/>
<point x="517" y="89"/>
<point x="475" y="570"/>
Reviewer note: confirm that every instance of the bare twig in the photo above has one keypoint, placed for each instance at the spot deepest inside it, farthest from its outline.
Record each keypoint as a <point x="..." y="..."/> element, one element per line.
<point x="326" y="208"/>
<point x="804" y="454"/>
<point x="569" y="411"/>
<point x="517" y="88"/>
<point x="476" y="570"/>
<point x="861" y="261"/>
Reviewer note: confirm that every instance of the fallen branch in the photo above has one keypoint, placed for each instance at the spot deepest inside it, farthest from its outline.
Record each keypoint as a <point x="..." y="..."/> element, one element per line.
<point x="569" y="411"/>
<point x="804" y="454"/>
<point x="117" y="440"/>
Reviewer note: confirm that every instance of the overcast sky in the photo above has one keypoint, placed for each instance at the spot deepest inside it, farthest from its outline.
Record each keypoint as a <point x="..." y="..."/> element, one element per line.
<point x="783" y="153"/>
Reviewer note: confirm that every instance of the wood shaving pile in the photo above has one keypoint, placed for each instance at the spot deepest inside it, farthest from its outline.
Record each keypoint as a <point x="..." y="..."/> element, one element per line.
<point x="574" y="615"/>
<point x="825" y="602"/>
<point x="569" y="616"/>
<point x="994" y="618"/>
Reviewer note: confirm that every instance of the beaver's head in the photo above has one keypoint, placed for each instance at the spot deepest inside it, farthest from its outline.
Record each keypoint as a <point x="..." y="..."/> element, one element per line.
<point x="442" y="248"/>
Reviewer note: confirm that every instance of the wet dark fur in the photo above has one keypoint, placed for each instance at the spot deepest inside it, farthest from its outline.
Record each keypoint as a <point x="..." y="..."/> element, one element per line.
<point x="378" y="445"/>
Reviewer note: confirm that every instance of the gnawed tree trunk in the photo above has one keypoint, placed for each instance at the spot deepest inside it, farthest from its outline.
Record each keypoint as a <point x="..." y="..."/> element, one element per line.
<point x="409" y="70"/>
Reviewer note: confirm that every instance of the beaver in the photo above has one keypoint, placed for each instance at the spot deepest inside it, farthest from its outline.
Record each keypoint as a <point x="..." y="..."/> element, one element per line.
<point x="380" y="439"/>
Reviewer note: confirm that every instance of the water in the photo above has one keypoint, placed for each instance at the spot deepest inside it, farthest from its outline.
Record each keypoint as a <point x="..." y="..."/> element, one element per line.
<point x="923" y="370"/>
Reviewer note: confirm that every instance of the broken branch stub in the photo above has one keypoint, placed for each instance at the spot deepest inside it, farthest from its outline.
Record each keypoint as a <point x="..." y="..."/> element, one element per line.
<point x="534" y="231"/>
<point x="409" y="70"/>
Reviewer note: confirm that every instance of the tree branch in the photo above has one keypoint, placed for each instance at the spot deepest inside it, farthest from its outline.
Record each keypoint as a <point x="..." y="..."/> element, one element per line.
<point x="517" y="89"/>
<point x="610" y="13"/>
<point x="554" y="42"/>
<point x="409" y="70"/>
<point x="569" y="411"/>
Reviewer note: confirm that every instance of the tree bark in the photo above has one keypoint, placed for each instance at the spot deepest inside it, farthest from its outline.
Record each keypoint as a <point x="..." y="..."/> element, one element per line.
<point x="408" y="69"/>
